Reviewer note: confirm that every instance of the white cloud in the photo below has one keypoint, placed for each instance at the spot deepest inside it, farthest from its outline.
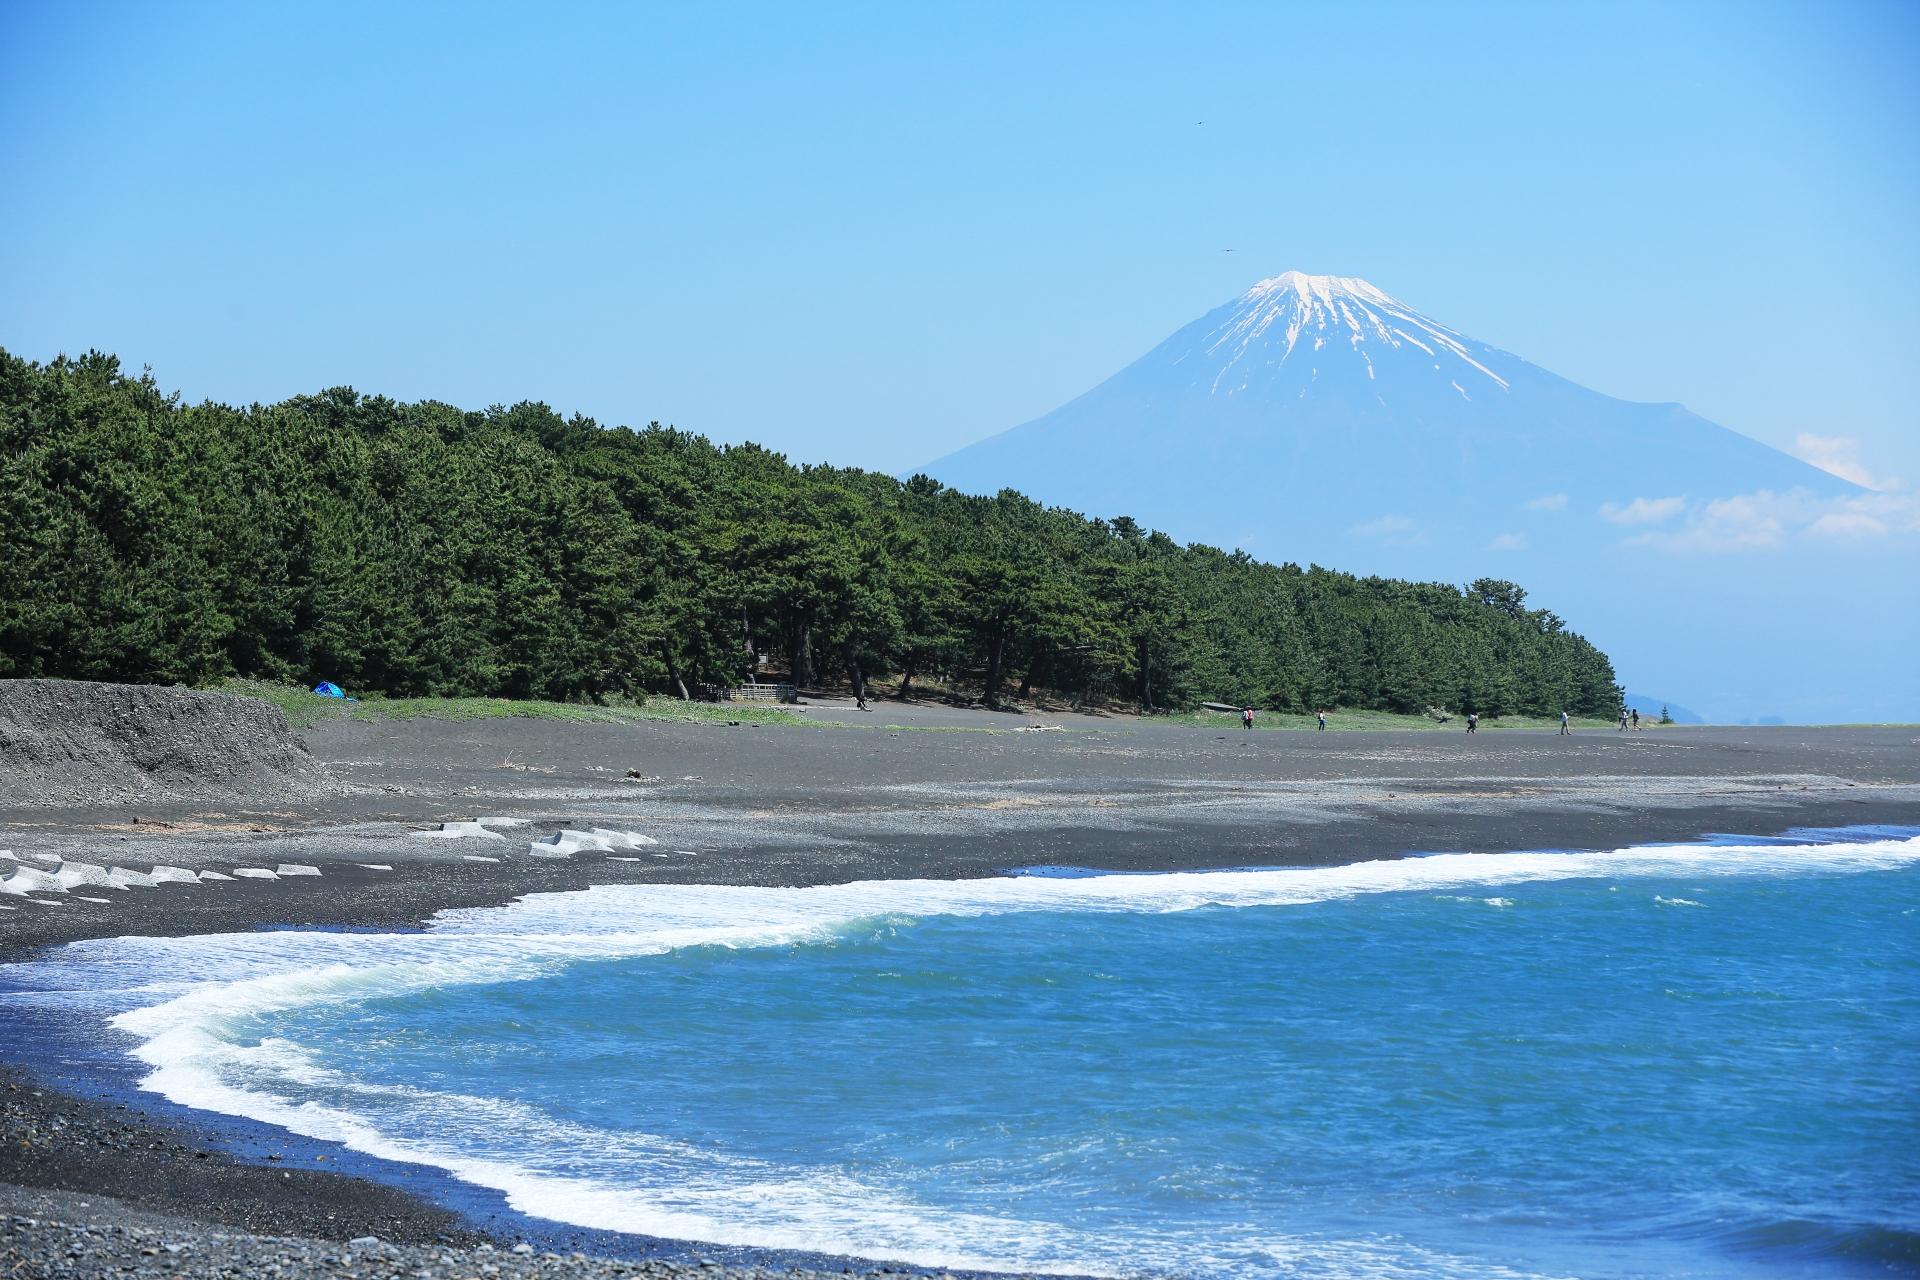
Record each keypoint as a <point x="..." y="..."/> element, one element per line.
<point x="1509" y="542"/>
<point x="1643" y="510"/>
<point x="1385" y="527"/>
<point x="1547" y="502"/>
<point x="1746" y="522"/>
<point x="1848" y="524"/>
<point x="1764" y="519"/>
<point x="1840" y="456"/>
<point x="1392" y="531"/>
<point x="1869" y="515"/>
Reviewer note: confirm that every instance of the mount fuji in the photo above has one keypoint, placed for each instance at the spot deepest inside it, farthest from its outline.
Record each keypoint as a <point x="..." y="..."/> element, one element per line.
<point x="1316" y="418"/>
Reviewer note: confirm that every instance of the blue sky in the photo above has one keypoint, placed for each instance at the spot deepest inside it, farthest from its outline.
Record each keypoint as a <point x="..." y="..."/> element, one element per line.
<point x="870" y="234"/>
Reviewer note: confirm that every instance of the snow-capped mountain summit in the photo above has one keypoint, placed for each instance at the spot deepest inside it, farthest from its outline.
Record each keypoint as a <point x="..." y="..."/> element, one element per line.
<point x="1317" y="419"/>
<point x="1316" y="320"/>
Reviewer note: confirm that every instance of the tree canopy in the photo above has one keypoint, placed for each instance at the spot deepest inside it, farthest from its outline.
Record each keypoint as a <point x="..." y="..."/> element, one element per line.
<point x="424" y="549"/>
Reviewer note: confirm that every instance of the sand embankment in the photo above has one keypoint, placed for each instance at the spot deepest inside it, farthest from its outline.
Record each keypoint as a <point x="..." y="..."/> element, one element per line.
<point x="70" y="743"/>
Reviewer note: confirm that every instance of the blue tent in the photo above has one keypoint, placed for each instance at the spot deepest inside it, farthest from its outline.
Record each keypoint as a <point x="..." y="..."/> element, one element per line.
<point x="328" y="689"/>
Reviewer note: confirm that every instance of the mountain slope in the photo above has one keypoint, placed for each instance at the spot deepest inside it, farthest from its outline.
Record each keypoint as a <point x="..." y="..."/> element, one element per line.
<point x="1317" y="419"/>
<point x="1324" y="393"/>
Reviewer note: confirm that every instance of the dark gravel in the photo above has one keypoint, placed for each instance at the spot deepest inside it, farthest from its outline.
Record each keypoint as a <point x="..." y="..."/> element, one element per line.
<point x="69" y="742"/>
<point x="69" y="1236"/>
<point x="54" y="1141"/>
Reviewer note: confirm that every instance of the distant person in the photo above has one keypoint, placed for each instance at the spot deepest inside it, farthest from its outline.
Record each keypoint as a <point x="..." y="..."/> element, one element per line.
<point x="1246" y="718"/>
<point x="1321" y="716"/>
<point x="1623" y="721"/>
<point x="1636" y="717"/>
<point x="1563" y="723"/>
<point x="1473" y="722"/>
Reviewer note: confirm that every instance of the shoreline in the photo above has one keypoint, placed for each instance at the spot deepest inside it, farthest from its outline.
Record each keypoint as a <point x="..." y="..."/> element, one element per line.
<point x="350" y="896"/>
<point x="1177" y="799"/>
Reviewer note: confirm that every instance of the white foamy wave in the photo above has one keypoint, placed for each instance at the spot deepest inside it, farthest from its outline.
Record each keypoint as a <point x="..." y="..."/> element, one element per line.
<point x="225" y="975"/>
<point x="191" y="1003"/>
<point x="571" y="1173"/>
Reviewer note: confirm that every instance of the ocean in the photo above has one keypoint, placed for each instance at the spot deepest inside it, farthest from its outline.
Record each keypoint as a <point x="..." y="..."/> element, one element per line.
<point x="1694" y="1060"/>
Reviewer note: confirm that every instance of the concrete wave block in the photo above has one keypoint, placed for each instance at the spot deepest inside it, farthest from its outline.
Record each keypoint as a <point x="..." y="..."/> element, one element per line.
<point x="26" y="880"/>
<point x="623" y="839"/>
<point x="174" y="875"/>
<point x="564" y="844"/>
<point x="461" y="831"/>
<point x="126" y="878"/>
<point x="286" y="869"/>
<point x="214" y="875"/>
<point x="76" y="875"/>
<point x="254" y="873"/>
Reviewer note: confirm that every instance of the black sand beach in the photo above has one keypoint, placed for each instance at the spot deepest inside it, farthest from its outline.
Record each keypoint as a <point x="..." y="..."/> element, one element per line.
<point x="947" y="794"/>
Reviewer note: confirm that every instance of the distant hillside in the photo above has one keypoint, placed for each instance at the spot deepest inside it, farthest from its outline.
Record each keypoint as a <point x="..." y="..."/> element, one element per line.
<point x="420" y="549"/>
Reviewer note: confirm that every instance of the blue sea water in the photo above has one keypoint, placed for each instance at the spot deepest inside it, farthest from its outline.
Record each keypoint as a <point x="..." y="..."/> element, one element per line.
<point x="1672" y="1061"/>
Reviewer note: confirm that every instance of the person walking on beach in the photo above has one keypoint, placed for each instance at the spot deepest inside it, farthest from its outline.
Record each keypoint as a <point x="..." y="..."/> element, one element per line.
<point x="1563" y="722"/>
<point x="1623" y="721"/>
<point x="1321" y="716"/>
<point x="1473" y="722"/>
<point x="1636" y="718"/>
<point x="1246" y="718"/>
